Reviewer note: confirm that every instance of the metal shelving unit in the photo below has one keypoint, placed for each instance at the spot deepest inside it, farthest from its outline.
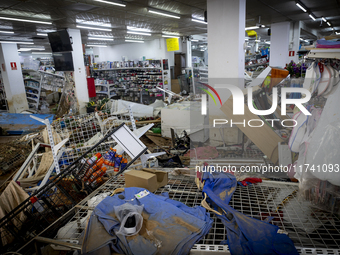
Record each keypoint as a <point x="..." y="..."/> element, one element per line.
<point x="33" y="88"/>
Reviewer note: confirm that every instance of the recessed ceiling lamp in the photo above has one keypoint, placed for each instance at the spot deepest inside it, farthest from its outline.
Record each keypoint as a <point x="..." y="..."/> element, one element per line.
<point x="301" y="7"/>
<point x="95" y="45"/>
<point x="41" y="52"/>
<point x="199" y="21"/>
<point x="138" y="33"/>
<point x="134" y="41"/>
<point x="164" y="14"/>
<point x="138" y="29"/>
<point x="27" y="20"/>
<point x="100" y="36"/>
<point x="111" y="2"/>
<point x="100" y="39"/>
<point x="267" y="42"/>
<point x="24" y="49"/>
<point x="94" y="28"/>
<point x="17" y="42"/>
<point x="312" y="16"/>
<point x="29" y="49"/>
<point x="337" y="33"/>
<point x="194" y="40"/>
<point x="41" y="34"/>
<point x="329" y="24"/>
<point x="170" y="36"/>
<point x="323" y="18"/>
<point x="93" y="23"/>
<point x="252" y="28"/>
<point x="170" y="33"/>
<point x="6" y="32"/>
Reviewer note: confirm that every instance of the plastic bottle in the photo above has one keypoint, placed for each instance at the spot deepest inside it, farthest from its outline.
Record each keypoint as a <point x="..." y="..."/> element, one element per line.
<point x="89" y="162"/>
<point x="96" y="174"/>
<point x="36" y="204"/>
<point x="123" y="163"/>
<point x="96" y="182"/>
<point x="117" y="162"/>
<point x="109" y="157"/>
<point x="94" y="168"/>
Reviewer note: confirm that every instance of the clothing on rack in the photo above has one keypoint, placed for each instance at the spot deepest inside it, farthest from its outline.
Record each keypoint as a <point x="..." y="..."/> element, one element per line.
<point x="169" y="227"/>
<point x="245" y="235"/>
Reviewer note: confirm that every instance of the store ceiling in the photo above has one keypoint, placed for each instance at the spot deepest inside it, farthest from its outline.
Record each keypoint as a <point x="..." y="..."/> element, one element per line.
<point x="67" y="13"/>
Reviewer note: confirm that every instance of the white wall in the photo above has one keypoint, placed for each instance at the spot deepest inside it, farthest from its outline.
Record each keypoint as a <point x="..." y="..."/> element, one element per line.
<point x="155" y="49"/>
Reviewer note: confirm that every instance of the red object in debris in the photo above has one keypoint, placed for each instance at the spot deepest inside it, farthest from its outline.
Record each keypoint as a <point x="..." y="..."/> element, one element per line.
<point x="91" y="87"/>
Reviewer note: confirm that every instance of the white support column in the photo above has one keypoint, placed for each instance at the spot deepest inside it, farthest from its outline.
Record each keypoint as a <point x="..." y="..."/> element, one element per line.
<point x="188" y="55"/>
<point x="226" y="37"/>
<point x="12" y="79"/>
<point x="79" y="70"/>
<point x="279" y="44"/>
<point x="294" y="41"/>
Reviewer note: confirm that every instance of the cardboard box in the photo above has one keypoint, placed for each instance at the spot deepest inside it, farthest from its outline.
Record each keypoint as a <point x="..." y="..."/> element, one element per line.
<point x="147" y="178"/>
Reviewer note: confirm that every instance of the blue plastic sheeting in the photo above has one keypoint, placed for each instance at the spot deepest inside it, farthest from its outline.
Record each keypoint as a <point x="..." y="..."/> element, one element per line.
<point x="245" y="235"/>
<point x="169" y="227"/>
<point x="19" y="123"/>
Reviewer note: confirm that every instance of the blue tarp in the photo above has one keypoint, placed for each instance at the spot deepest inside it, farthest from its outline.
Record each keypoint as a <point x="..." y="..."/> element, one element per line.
<point x="19" y="123"/>
<point x="245" y="235"/>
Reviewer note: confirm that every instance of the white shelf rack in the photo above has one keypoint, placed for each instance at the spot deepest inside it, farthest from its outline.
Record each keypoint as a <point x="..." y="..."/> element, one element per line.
<point x="324" y="53"/>
<point x="31" y="91"/>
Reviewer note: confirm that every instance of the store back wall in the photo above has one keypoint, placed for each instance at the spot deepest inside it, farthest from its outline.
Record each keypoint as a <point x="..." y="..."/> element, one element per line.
<point x="155" y="49"/>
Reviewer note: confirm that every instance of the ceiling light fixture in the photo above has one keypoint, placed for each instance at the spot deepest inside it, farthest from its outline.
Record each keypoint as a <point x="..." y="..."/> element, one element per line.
<point x="267" y="42"/>
<point x="164" y="14"/>
<point x="41" y="52"/>
<point x="95" y="28"/>
<point x="312" y="16"/>
<point x="301" y="7"/>
<point x="24" y="49"/>
<point x="134" y="41"/>
<point x="41" y="34"/>
<point x="100" y="36"/>
<point x="17" y="42"/>
<point x="324" y="19"/>
<point x="170" y="33"/>
<point x="329" y="24"/>
<point x="100" y="39"/>
<point x="113" y="3"/>
<point x="93" y="23"/>
<point x="138" y="33"/>
<point x="28" y="49"/>
<point x="27" y="20"/>
<point x="337" y="33"/>
<point x="6" y="32"/>
<point x="170" y="36"/>
<point x="95" y="45"/>
<point x="251" y="28"/>
<point x="138" y="29"/>
<point x="199" y="21"/>
<point x="194" y="40"/>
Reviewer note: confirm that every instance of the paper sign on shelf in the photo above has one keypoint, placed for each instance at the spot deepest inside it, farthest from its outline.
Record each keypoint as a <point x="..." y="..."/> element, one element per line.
<point x="172" y="44"/>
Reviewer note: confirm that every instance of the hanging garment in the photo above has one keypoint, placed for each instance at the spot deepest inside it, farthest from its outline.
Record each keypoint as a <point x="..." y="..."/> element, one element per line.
<point x="245" y="235"/>
<point x="169" y="227"/>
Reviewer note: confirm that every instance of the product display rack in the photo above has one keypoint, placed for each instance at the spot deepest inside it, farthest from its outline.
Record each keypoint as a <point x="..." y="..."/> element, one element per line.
<point x="138" y="84"/>
<point x="51" y="81"/>
<point x="33" y="88"/>
<point x="3" y="99"/>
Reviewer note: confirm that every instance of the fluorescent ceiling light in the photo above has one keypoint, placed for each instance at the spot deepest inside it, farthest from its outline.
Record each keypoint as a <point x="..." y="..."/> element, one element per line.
<point x="93" y="23"/>
<point x="27" y="20"/>
<point x="100" y="36"/>
<point x="194" y="40"/>
<point x="109" y="2"/>
<point x="329" y="24"/>
<point x="6" y="32"/>
<point x="165" y="14"/>
<point x="324" y="19"/>
<point x="138" y="29"/>
<point x="312" y="17"/>
<point x="138" y="33"/>
<point x="95" y="28"/>
<point x="41" y="34"/>
<point x="170" y="36"/>
<point x="267" y="42"/>
<point x="41" y="52"/>
<point x="337" y="33"/>
<point x="16" y="42"/>
<point x="199" y="21"/>
<point x="100" y="39"/>
<point x="24" y="49"/>
<point x="257" y="40"/>
<point x="170" y="33"/>
<point x="134" y="41"/>
<point x="301" y="7"/>
<point x="95" y="45"/>
<point x="251" y="28"/>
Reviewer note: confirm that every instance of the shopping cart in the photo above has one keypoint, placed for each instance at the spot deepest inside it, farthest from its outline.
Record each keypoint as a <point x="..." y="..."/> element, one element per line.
<point x="55" y="198"/>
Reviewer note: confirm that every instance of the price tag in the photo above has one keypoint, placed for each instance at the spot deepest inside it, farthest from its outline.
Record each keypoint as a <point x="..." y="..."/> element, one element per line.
<point x="142" y="194"/>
